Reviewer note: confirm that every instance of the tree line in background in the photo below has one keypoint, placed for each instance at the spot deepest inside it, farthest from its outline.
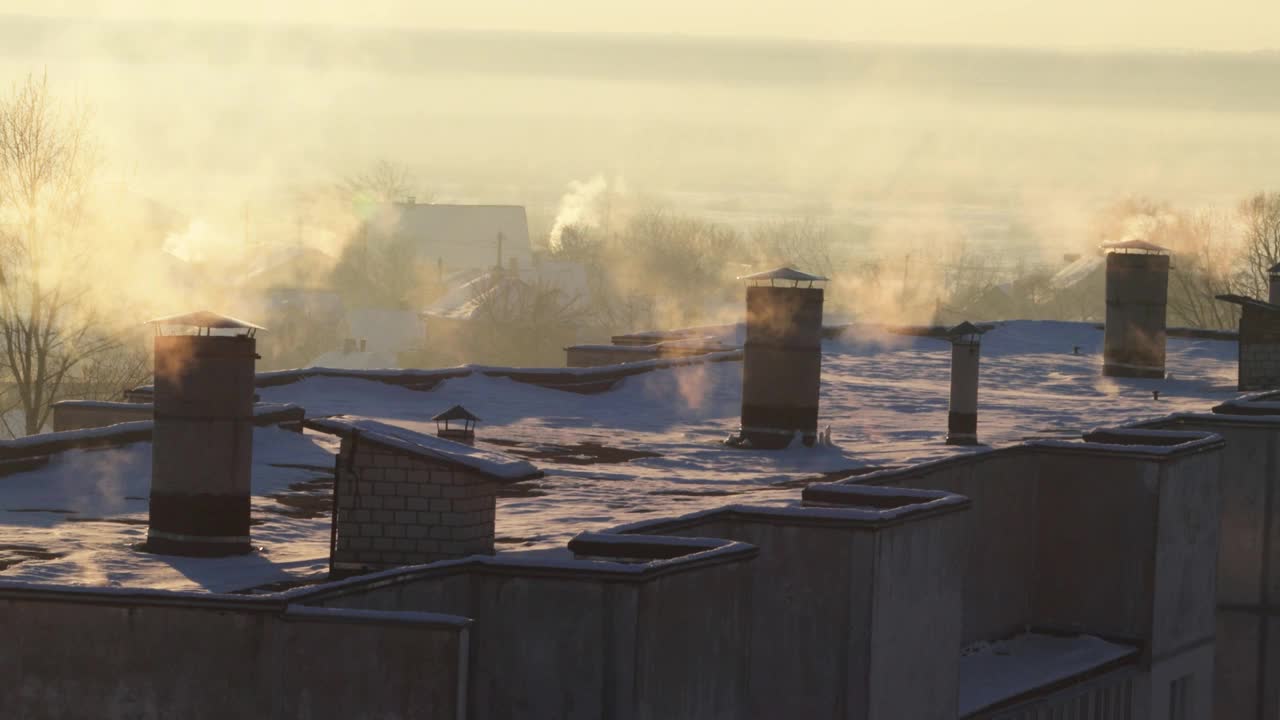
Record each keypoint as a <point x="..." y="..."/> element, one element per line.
<point x="61" y="335"/>
<point x="662" y="269"/>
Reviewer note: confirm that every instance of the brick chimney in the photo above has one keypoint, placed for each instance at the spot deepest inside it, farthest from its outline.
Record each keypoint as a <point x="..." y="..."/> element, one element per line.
<point x="202" y="446"/>
<point x="782" y="359"/>
<point x="1137" y="295"/>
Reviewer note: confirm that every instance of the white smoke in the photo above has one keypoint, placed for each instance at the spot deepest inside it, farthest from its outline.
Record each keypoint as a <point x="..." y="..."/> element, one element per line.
<point x="587" y="204"/>
<point x="1147" y="226"/>
<point x="200" y="242"/>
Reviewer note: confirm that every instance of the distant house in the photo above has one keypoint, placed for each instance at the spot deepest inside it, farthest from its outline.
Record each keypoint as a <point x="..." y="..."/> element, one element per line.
<point x="373" y="338"/>
<point x="289" y="266"/>
<point x="1078" y="290"/>
<point x="500" y="316"/>
<point x="456" y="236"/>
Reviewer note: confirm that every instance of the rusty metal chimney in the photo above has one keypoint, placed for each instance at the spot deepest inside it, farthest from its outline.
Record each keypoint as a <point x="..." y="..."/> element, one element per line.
<point x="202" y="446"/>
<point x="962" y="417"/>
<point x="782" y="359"/>
<point x="1137" y="294"/>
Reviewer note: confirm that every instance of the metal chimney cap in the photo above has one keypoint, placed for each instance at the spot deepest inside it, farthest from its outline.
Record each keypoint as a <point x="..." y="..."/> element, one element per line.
<point x="1274" y="269"/>
<point x="965" y="333"/>
<point x="457" y="412"/>
<point x="783" y="273"/>
<point x="966" y="328"/>
<point x="1135" y="246"/>
<point x="206" y="319"/>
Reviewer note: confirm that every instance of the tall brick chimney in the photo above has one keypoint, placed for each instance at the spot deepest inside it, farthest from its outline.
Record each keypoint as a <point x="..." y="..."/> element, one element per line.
<point x="202" y="446"/>
<point x="782" y="359"/>
<point x="1137" y="295"/>
<point x="1273" y="274"/>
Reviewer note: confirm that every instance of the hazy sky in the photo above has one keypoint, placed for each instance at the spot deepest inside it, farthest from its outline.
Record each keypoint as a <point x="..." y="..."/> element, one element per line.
<point x="1187" y="24"/>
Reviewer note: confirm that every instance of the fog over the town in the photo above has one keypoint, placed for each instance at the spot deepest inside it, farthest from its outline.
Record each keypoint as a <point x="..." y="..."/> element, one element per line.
<point x="921" y="155"/>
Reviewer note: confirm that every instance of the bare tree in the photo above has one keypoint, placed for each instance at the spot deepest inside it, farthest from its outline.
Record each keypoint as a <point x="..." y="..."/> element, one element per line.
<point x="106" y="375"/>
<point x="523" y="322"/>
<point x="386" y="181"/>
<point x="47" y="327"/>
<point x="1261" y="219"/>
<point x="805" y="244"/>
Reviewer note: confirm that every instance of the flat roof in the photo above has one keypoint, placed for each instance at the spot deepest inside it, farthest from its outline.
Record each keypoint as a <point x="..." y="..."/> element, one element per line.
<point x="650" y="447"/>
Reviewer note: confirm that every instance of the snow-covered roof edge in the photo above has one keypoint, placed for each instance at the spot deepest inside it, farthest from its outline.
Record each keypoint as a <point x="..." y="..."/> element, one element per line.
<point x="497" y="465"/>
<point x="206" y="319"/>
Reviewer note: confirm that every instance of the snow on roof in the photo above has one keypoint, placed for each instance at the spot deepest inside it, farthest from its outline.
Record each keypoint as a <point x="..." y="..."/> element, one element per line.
<point x="473" y="290"/>
<point x="1076" y="272"/>
<point x="991" y="673"/>
<point x="464" y="301"/>
<point x="649" y="447"/>
<point x="82" y="511"/>
<point x="205" y="319"/>
<point x="494" y="464"/>
<point x="1134" y="246"/>
<point x="783" y="273"/>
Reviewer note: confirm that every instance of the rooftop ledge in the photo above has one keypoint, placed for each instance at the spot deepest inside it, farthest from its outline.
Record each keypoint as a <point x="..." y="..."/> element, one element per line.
<point x="605" y="559"/>
<point x="831" y="504"/>
<point x="1259" y="403"/>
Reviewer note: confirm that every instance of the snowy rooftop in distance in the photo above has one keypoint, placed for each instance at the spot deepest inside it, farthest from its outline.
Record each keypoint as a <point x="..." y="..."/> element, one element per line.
<point x="650" y="447"/>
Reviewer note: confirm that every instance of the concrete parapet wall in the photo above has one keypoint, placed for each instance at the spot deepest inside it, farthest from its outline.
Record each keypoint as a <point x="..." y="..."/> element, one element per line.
<point x="71" y="415"/>
<point x="45" y="444"/>
<point x="577" y="356"/>
<point x="998" y="534"/>
<point x="590" y="638"/>
<point x="843" y="600"/>
<point x="580" y="380"/>
<point x="600" y="355"/>
<point x="1248" y="582"/>
<point x="71" y="653"/>
<point x="1106" y="697"/>
<point x="81" y="414"/>
<point x="1086" y="536"/>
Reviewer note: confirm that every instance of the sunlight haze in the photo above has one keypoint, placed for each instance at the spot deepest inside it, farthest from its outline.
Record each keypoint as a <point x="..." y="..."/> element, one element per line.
<point x="1231" y="25"/>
